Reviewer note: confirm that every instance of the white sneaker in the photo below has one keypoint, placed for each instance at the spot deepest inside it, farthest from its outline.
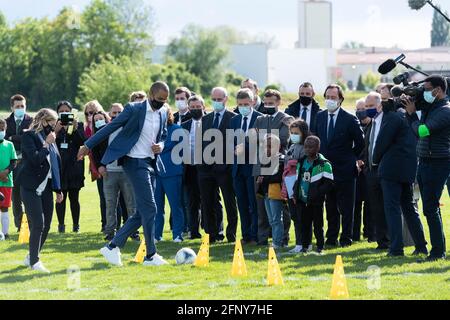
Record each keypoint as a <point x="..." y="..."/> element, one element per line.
<point x="112" y="256"/>
<point x="310" y="248"/>
<point x="156" y="260"/>
<point x="26" y="262"/>
<point x="297" y="249"/>
<point x="38" y="266"/>
<point x="178" y="240"/>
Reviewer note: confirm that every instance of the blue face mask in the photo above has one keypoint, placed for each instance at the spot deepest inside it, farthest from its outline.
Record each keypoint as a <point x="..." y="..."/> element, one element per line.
<point x="100" y="123"/>
<point x="428" y="96"/>
<point x="218" y="106"/>
<point x="244" y="110"/>
<point x="371" y="113"/>
<point x="2" y="135"/>
<point x="296" y="138"/>
<point x="19" y="113"/>
<point x="361" y="114"/>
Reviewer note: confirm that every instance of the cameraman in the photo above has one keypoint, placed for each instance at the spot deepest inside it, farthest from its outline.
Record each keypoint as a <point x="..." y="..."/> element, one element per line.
<point x="69" y="138"/>
<point x="433" y="150"/>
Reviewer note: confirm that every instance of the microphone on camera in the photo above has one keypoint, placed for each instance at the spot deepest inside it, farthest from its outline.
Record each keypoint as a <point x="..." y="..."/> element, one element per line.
<point x="417" y="4"/>
<point x="390" y="64"/>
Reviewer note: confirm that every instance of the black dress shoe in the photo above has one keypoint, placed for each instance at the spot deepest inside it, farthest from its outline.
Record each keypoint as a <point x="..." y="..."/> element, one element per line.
<point x="370" y="240"/>
<point x="382" y="247"/>
<point x="330" y="243"/>
<point x="76" y="229"/>
<point x="61" y="228"/>
<point x="430" y="259"/>
<point x="195" y="236"/>
<point x="345" y="244"/>
<point x="392" y="255"/>
<point x="263" y="243"/>
<point x="419" y="252"/>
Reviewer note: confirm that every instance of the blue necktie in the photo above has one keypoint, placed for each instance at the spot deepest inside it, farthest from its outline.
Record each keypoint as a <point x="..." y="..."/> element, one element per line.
<point x="331" y="128"/>
<point x="216" y="121"/>
<point x="304" y="113"/>
<point x="245" y="126"/>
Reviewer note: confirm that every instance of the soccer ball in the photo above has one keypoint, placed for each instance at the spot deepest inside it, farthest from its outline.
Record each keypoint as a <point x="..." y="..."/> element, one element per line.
<point x="2" y="237"/>
<point x="185" y="256"/>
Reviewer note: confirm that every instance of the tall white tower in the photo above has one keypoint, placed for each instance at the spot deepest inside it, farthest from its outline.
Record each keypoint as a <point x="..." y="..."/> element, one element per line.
<point x="314" y="24"/>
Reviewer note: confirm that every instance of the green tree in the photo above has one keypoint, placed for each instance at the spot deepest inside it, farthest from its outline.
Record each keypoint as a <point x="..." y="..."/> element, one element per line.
<point x="203" y="53"/>
<point x="2" y="20"/>
<point x="440" y="30"/>
<point x="371" y="79"/>
<point x="360" y="86"/>
<point x="113" y="79"/>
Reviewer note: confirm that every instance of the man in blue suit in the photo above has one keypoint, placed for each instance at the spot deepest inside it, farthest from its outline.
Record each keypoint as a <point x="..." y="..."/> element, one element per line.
<point x="243" y="180"/>
<point x="144" y="130"/>
<point x="342" y="143"/>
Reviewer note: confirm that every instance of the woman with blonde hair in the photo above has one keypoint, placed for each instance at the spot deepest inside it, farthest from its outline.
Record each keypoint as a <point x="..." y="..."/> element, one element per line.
<point x="39" y="176"/>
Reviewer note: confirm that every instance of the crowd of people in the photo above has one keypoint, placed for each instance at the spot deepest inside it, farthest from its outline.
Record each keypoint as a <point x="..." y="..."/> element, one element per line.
<point x="366" y="168"/>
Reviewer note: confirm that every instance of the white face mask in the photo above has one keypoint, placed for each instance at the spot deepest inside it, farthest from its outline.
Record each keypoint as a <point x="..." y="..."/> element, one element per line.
<point x="331" y="105"/>
<point x="181" y="104"/>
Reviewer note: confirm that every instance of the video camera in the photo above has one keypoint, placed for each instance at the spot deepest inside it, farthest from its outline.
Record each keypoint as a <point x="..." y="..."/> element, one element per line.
<point x="66" y="118"/>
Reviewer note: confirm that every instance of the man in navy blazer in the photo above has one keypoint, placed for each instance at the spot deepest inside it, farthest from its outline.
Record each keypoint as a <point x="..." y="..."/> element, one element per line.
<point x="306" y="107"/>
<point x="342" y="143"/>
<point x="395" y="154"/>
<point x="243" y="180"/>
<point x="144" y="130"/>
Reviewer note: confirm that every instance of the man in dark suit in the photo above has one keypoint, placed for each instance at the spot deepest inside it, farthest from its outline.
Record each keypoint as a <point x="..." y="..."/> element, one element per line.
<point x="243" y="180"/>
<point x="18" y="122"/>
<point x="144" y="131"/>
<point x="395" y="154"/>
<point x="374" y="190"/>
<point x="214" y="173"/>
<point x="342" y="144"/>
<point x="258" y="103"/>
<point x="182" y="96"/>
<point x="272" y="120"/>
<point x="305" y="108"/>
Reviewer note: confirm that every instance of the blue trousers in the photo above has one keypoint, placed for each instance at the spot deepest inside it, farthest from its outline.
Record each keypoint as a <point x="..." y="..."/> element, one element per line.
<point x="142" y="178"/>
<point x="432" y="176"/>
<point x="173" y="188"/>
<point x="244" y="188"/>
<point x="398" y="197"/>
<point x="274" y="209"/>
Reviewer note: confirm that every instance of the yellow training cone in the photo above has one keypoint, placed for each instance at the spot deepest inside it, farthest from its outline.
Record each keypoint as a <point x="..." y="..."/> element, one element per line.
<point x="339" y="285"/>
<point x="24" y="234"/>
<point x="239" y="269"/>
<point x="273" y="272"/>
<point x="141" y="253"/>
<point x="202" y="259"/>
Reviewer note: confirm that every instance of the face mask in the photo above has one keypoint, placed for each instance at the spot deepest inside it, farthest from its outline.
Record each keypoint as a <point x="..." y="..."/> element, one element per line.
<point x="371" y="113"/>
<point x="244" y="110"/>
<point x="19" y="113"/>
<point x="270" y="110"/>
<point x="2" y="135"/>
<point x="331" y="105"/>
<point x="181" y="104"/>
<point x="218" y="106"/>
<point x="305" y="101"/>
<point x="48" y="129"/>
<point x="100" y="123"/>
<point x="157" y="104"/>
<point x="296" y="138"/>
<point x="361" y="115"/>
<point x="197" y="114"/>
<point x="428" y="96"/>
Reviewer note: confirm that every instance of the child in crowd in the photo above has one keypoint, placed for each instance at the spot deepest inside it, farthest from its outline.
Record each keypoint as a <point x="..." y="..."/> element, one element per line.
<point x="314" y="181"/>
<point x="8" y="161"/>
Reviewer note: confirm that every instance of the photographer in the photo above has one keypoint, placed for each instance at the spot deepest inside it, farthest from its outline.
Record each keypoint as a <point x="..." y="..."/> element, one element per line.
<point x="395" y="156"/>
<point x="433" y="150"/>
<point x="69" y="138"/>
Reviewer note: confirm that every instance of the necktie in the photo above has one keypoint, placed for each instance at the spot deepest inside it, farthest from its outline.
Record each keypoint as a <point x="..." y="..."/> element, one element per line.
<point x="331" y="128"/>
<point x="18" y="122"/>
<point x="372" y="142"/>
<point x="304" y="113"/>
<point x="245" y="125"/>
<point x="216" y="121"/>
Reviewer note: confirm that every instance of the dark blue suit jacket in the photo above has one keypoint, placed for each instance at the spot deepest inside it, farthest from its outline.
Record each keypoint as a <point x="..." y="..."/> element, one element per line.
<point x="346" y="145"/>
<point x="235" y="124"/>
<point x="294" y="110"/>
<point x="395" y="149"/>
<point x="164" y="165"/>
<point x="132" y="121"/>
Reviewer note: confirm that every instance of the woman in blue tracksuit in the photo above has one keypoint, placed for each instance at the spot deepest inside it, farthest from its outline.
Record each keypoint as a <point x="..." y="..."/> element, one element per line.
<point x="169" y="182"/>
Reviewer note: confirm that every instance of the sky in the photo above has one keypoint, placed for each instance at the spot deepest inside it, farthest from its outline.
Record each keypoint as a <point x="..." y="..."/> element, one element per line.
<point x="384" y="23"/>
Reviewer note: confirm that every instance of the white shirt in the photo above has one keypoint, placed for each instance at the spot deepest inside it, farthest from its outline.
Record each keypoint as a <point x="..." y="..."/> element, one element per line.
<point x="143" y="147"/>
<point x="180" y="114"/>
<point x="336" y="114"/>
<point x="196" y="125"/>
<point x="221" y="116"/>
<point x="248" y="120"/>
<point x="308" y="113"/>
<point x="376" y="126"/>
<point x="114" y="167"/>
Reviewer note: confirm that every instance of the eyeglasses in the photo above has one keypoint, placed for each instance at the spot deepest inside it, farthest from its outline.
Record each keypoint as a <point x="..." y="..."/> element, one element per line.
<point x="89" y="113"/>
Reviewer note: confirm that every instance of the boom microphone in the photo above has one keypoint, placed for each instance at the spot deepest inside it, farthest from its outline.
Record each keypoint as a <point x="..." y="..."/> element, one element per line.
<point x="390" y="64"/>
<point x="417" y="4"/>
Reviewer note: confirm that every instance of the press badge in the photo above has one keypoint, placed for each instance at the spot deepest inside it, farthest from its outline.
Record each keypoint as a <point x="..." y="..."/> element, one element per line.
<point x="64" y="146"/>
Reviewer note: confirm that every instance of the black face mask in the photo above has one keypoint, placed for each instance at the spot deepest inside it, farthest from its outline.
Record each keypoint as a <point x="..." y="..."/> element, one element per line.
<point x="197" y="114"/>
<point x="305" y="101"/>
<point x="270" y="111"/>
<point x="48" y="129"/>
<point x="157" y="104"/>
